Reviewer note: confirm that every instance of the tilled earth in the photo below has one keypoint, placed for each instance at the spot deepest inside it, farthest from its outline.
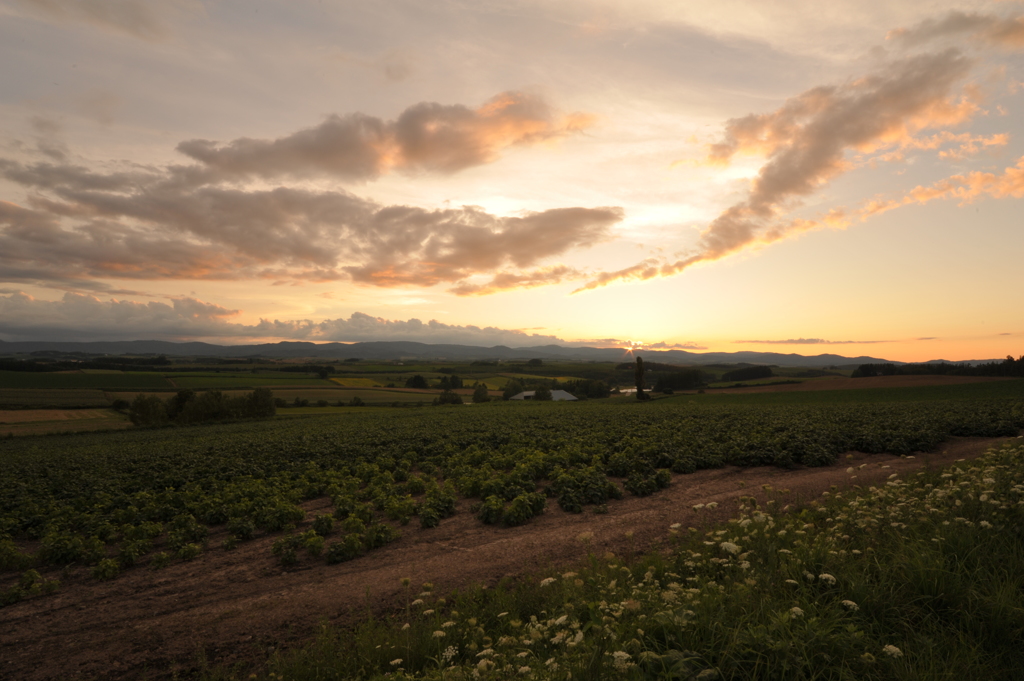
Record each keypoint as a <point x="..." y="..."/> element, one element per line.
<point x="235" y="606"/>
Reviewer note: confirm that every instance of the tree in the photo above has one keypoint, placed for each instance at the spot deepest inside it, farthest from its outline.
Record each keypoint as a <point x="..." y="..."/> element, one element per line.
<point x="260" y="404"/>
<point x="535" y="362"/>
<point x="480" y="394"/>
<point x="417" y="382"/>
<point x="542" y="394"/>
<point x="638" y="374"/>
<point x="147" y="410"/>
<point x="513" y="387"/>
<point x="448" y="397"/>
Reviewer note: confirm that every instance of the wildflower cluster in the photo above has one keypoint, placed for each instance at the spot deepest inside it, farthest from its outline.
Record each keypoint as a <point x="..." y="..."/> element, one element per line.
<point x="769" y="590"/>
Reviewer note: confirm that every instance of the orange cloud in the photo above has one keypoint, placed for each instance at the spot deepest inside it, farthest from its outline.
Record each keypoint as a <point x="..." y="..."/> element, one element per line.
<point x="807" y="140"/>
<point x="504" y="281"/>
<point x="426" y="137"/>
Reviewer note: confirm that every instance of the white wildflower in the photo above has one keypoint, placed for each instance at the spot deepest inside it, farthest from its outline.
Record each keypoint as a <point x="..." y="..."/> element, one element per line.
<point x="827" y="578"/>
<point x="796" y="612"/>
<point x="892" y="651"/>
<point x="729" y="547"/>
<point x="438" y="634"/>
<point x="448" y="625"/>
<point x="547" y="582"/>
<point x="395" y="663"/>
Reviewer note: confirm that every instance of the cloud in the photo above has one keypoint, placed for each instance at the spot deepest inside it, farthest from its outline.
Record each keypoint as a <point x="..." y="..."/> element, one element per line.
<point x="137" y="18"/>
<point x="426" y="137"/>
<point x="146" y="224"/>
<point x="504" y="281"/>
<point x="807" y="142"/>
<point x="674" y="346"/>
<point x="83" y="317"/>
<point x="1006" y="32"/>
<point x="966" y="188"/>
<point x="810" y="341"/>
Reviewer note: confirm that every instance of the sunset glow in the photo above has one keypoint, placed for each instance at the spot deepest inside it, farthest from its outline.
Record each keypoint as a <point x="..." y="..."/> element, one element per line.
<point x="650" y="175"/>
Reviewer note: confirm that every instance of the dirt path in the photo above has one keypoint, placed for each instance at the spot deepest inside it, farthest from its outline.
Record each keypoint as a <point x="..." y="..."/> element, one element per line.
<point x="233" y="606"/>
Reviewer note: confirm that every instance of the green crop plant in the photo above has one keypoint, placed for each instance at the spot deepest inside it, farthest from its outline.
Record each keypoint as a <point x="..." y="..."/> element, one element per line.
<point x="348" y="547"/>
<point x="312" y="542"/>
<point x="159" y="560"/>
<point x="285" y="549"/>
<point x="379" y="534"/>
<point x="242" y="528"/>
<point x="107" y="568"/>
<point x="491" y="510"/>
<point x="189" y="551"/>
<point x="323" y="524"/>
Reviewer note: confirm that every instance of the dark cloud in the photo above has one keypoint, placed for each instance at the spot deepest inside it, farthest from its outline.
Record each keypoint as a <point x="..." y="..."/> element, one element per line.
<point x="151" y="224"/>
<point x="806" y="142"/>
<point x="197" y="222"/>
<point x="426" y="137"/>
<point x="84" y="317"/>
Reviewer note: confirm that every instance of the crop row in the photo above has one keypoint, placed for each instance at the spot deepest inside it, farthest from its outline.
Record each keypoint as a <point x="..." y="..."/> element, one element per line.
<point x="109" y="500"/>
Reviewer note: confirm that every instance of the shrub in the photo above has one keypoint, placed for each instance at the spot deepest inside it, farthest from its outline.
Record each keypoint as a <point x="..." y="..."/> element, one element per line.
<point x="285" y="549"/>
<point x="491" y="510"/>
<point x="429" y="517"/>
<point x="312" y="542"/>
<point x="323" y="524"/>
<point x="159" y="560"/>
<point x="11" y="559"/>
<point x="106" y="569"/>
<point x="189" y="551"/>
<point x="350" y="546"/>
<point x="380" y="534"/>
<point x="242" y="529"/>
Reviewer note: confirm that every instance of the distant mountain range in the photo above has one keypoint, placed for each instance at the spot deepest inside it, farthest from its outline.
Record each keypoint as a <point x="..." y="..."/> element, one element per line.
<point x="408" y="350"/>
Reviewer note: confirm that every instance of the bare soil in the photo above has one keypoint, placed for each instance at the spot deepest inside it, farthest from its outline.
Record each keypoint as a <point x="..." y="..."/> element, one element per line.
<point x="236" y="606"/>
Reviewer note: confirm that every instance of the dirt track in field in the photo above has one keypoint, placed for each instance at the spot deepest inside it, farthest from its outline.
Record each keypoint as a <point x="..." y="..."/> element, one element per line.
<point x="234" y="606"/>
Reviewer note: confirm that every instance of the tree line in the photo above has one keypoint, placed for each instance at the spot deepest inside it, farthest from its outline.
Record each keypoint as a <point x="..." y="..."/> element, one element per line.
<point x="186" y="407"/>
<point x="1009" y="367"/>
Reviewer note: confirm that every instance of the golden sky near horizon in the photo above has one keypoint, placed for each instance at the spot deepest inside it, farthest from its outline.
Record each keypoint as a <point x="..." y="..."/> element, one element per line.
<point x="780" y="176"/>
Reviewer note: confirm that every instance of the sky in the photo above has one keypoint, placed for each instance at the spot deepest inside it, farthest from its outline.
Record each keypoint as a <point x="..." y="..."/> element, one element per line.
<point x="767" y="175"/>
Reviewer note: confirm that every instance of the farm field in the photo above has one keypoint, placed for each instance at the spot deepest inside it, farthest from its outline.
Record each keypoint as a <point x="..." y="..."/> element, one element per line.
<point x="239" y="381"/>
<point x="349" y="496"/>
<point x="40" y="421"/>
<point x="17" y="398"/>
<point x="65" y="380"/>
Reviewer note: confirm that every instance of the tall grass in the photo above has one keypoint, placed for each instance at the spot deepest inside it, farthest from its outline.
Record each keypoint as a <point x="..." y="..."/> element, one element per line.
<point x="919" y="578"/>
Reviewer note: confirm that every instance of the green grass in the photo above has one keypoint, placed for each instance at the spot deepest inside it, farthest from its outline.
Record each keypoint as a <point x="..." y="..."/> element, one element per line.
<point x="917" y="579"/>
<point x="17" y="398"/>
<point x="75" y="379"/>
<point x="214" y="381"/>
